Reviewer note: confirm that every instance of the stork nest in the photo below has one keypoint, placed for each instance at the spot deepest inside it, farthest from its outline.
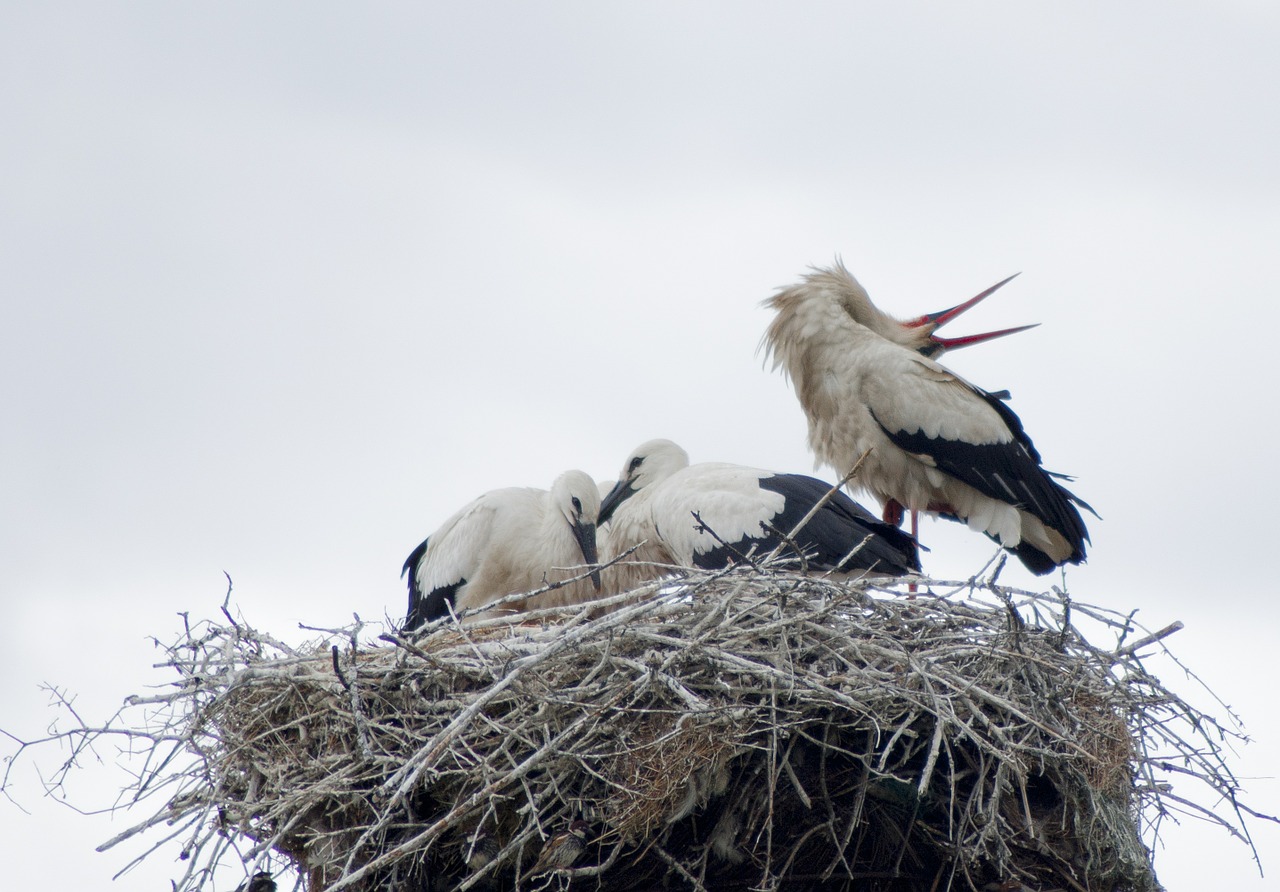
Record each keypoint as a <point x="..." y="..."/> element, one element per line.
<point x="749" y="728"/>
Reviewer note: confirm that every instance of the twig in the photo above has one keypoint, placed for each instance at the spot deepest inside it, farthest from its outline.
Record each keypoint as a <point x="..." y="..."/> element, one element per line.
<point x="905" y="731"/>
<point x="1131" y="649"/>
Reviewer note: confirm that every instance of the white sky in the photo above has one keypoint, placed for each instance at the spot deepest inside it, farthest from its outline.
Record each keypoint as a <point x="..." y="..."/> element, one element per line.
<point x="285" y="286"/>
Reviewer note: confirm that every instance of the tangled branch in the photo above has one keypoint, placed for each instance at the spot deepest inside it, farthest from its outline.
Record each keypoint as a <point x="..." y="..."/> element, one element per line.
<point x="749" y="727"/>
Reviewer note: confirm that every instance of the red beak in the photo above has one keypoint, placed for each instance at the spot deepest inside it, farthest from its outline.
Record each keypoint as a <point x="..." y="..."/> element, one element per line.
<point x="942" y="317"/>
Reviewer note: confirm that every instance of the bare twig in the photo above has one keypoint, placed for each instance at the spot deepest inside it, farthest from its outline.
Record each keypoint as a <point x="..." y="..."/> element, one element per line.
<point x="735" y="728"/>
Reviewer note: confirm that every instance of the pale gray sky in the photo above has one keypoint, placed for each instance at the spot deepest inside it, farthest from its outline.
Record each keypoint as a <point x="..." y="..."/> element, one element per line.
<point x="285" y="286"/>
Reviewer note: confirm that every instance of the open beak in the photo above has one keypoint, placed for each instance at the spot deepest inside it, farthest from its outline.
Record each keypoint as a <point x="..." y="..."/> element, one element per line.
<point x="585" y="532"/>
<point x="937" y="345"/>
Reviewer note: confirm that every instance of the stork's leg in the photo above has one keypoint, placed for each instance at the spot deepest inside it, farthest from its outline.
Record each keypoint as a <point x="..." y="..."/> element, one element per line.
<point x="893" y="513"/>
<point x="915" y="534"/>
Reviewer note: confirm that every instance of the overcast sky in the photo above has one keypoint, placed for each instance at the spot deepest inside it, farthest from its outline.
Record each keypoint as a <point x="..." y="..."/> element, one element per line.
<point x="286" y="285"/>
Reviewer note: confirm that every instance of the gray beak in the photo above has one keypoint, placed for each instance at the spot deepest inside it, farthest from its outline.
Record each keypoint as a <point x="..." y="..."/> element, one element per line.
<point x="622" y="490"/>
<point x="585" y="532"/>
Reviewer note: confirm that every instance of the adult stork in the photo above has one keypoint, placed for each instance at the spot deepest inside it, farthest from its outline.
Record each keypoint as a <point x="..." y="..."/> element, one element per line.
<point x="933" y="441"/>
<point x="739" y="510"/>
<point x="507" y="542"/>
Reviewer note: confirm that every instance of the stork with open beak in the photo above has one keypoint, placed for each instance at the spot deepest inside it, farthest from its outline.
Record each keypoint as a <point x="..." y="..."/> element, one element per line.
<point x="869" y="384"/>
<point x="506" y="542"/>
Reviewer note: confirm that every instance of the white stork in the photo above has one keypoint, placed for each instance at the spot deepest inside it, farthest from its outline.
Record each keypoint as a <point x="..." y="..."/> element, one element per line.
<point x="933" y="441"/>
<point x="506" y="542"/>
<point x="739" y="510"/>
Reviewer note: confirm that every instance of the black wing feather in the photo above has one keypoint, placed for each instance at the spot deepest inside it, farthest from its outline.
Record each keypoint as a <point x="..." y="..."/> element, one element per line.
<point x="436" y="603"/>
<point x="840" y="526"/>
<point x="1008" y="472"/>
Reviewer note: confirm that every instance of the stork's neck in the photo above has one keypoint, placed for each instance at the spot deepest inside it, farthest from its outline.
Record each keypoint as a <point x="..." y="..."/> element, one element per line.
<point x="553" y="531"/>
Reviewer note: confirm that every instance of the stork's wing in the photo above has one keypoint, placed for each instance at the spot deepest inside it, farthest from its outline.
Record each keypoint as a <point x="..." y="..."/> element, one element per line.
<point x="709" y="515"/>
<point x="841" y="535"/>
<point x="747" y="511"/>
<point x="973" y="436"/>
<point x="445" y="561"/>
<point x="912" y="394"/>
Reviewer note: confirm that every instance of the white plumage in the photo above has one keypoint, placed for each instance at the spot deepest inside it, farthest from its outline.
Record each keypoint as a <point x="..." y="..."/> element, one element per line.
<point x="739" y="511"/>
<point x="933" y="441"/>
<point x="506" y="542"/>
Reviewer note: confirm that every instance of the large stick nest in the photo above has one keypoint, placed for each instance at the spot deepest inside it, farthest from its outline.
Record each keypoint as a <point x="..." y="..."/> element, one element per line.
<point x="753" y="728"/>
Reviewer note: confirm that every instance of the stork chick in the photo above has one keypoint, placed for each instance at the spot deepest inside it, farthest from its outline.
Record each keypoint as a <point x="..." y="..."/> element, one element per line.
<point x="711" y="514"/>
<point x="506" y="542"/>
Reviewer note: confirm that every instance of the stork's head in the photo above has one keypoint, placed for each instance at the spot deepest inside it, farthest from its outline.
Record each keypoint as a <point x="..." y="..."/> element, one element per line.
<point x="837" y="286"/>
<point x="650" y="463"/>
<point x="576" y="497"/>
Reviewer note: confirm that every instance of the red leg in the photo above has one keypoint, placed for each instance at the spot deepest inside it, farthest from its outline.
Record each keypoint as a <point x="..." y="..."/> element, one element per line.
<point x="893" y="513"/>
<point x="915" y="534"/>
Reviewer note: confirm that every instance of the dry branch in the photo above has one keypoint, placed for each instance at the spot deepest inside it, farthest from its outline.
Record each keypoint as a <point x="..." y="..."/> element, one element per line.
<point x="743" y="728"/>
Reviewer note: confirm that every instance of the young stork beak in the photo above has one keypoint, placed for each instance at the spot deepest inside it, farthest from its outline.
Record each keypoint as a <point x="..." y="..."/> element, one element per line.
<point x="622" y="490"/>
<point x="584" y="531"/>
<point x="935" y="345"/>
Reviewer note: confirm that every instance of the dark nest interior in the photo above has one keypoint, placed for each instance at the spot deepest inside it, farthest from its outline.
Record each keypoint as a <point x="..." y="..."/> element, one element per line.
<point x="747" y="729"/>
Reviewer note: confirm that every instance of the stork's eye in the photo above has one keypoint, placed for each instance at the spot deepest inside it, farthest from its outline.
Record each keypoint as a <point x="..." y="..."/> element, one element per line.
<point x="635" y="464"/>
<point x="577" y="505"/>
